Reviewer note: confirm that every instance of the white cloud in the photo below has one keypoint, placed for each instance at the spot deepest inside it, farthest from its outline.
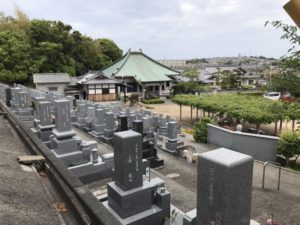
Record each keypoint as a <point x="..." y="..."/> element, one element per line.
<point x="171" y="28"/>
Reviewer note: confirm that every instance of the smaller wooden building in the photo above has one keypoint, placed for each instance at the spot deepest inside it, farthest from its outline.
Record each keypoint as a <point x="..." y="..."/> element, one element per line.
<point x="97" y="87"/>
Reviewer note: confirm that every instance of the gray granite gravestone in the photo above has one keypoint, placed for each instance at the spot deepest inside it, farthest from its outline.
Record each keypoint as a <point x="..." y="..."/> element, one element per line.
<point x="224" y="188"/>
<point x="162" y="128"/>
<point x="98" y="125"/>
<point x="22" y="109"/>
<point x="63" y="143"/>
<point x="63" y="126"/>
<point x="109" y="127"/>
<point x="131" y="117"/>
<point x="128" y="160"/>
<point x="73" y="112"/>
<point x="131" y="199"/>
<point x="81" y="115"/>
<point x="90" y="118"/>
<point x="45" y="126"/>
<point x="37" y="110"/>
<point x="172" y="141"/>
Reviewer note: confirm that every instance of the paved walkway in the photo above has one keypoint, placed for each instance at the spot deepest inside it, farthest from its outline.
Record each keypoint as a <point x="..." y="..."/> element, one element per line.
<point x="23" y="198"/>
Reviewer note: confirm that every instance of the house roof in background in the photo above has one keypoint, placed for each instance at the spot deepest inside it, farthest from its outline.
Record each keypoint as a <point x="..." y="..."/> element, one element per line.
<point x="95" y="77"/>
<point x="141" y="67"/>
<point x="51" y="78"/>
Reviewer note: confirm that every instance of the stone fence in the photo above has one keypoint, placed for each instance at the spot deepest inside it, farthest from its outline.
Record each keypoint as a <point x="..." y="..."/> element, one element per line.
<point x="261" y="147"/>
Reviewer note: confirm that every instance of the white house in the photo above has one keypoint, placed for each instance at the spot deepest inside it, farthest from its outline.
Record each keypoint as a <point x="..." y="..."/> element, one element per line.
<point x="51" y="82"/>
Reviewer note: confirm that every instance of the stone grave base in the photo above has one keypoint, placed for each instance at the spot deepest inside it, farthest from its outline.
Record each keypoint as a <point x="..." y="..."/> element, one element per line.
<point x="68" y="158"/>
<point x="28" y="123"/>
<point x="107" y="137"/>
<point x="90" y="172"/>
<point x="44" y="135"/>
<point x="153" y="216"/>
<point x="65" y="146"/>
<point x="162" y="131"/>
<point x="95" y="134"/>
<point x="79" y="125"/>
<point x="87" y="127"/>
<point x="171" y="147"/>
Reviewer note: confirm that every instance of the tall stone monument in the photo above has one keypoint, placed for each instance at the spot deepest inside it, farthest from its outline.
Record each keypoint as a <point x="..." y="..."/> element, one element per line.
<point x="224" y="188"/>
<point x="98" y="125"/>
<point x="45" y="125"/>
<point x="132" y="199"/>
<point x="172" y="140"/>
<point x="63" y="143"/>
<point x="109" y="129"/>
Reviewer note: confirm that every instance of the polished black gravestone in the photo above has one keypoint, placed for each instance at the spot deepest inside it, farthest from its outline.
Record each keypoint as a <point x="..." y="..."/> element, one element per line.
<point x="149" y="150"/>
<point x="122" y="123"/>
<point x="224" y="188"/>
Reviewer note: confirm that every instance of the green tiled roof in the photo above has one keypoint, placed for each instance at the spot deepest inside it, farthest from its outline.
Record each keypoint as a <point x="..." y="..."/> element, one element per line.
<point x="141" y="67"/>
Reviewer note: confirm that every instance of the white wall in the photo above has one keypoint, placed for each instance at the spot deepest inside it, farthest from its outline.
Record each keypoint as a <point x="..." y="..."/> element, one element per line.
<point x="45" y="87"/>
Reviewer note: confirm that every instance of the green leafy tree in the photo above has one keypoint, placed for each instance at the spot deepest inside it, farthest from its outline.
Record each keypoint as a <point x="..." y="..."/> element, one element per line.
<point x="109" y="48"/>
<point x="230" y="79"/>
<point x="289" y="63"/>
<point x="289" y="145"/>
<point x="15" y="60"/>
<point x="192" y="74"/>
<point x="30" y="46"/>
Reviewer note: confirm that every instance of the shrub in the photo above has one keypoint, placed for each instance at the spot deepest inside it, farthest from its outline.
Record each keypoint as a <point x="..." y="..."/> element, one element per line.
<point x="200" y="130"/>
<point x="188" y="87"/>
<point x="134" y="98"/>
<point x="153" y="101"/>
<point x="289" y="144"/>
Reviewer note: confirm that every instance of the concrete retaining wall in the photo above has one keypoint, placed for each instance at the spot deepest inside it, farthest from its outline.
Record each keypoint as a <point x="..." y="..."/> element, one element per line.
<point x="261" y="147"/>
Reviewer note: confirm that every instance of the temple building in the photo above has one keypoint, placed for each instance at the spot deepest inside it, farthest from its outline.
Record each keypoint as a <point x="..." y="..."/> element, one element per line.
<point x="138" y="73"/>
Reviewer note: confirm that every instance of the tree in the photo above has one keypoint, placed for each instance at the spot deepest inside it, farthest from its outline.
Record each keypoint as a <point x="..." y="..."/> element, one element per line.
<point x="192" y="74"/>
<point x="31" y="46"/>
<point x="109" y="48"/>
<point x="230" y="79"/>
<point x="286" y="83"/>
<point x="289" y="145"/>
<point x="15" y="60"/>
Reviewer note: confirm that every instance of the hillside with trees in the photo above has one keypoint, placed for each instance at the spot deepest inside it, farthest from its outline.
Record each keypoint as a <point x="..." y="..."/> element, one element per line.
<point x="37" y="46"/>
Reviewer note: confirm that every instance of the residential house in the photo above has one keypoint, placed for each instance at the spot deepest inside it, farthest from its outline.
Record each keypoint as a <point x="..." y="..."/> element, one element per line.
<point x="51" y="82"/>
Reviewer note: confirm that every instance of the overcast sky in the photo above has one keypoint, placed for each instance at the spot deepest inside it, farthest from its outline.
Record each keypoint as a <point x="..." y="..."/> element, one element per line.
<point x="170" y="29"/>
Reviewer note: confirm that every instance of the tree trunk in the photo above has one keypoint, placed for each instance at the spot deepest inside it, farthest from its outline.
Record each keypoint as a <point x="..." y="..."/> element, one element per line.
<point x="197" y="116"/>
<point x="280" y="125"/>
<point x="276" y="127"/>
<point x="180" y="116"/>
<point x="257" y="128"/>
<point x="203" y="113"/>
<point x="192" y="115"/>
<point x="293" y="125"/>
<point x="287" y="161"/>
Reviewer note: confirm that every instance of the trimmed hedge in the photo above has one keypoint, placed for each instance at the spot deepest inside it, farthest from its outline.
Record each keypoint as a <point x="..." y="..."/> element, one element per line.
<point x="153" y="101"/>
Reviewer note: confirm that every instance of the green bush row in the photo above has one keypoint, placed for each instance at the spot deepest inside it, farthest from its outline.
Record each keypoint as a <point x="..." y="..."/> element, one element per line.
<point x="153" y="101"/>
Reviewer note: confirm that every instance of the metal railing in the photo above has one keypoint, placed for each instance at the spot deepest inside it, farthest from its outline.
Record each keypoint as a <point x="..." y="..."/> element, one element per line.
<point x="268" y="163"/>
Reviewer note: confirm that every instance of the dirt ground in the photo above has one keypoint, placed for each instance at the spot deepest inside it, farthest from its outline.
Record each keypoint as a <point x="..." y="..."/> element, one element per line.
<point x="172" y="109"/>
